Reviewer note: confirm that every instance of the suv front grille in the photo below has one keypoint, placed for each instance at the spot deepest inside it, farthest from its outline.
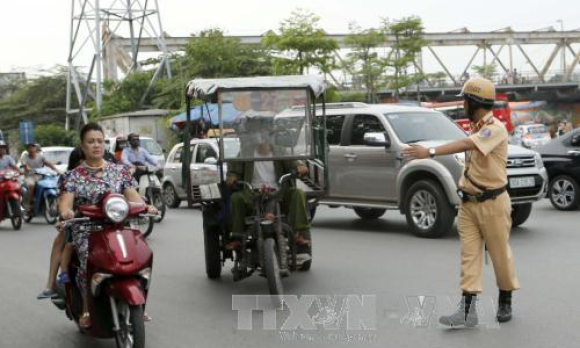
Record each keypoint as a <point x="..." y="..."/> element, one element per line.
<point x="521" y="162"/>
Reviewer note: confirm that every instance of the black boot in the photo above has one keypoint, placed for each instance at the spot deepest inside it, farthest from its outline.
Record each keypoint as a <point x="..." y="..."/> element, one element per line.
<point x="504" y="306"/>
<point x="466" y="314"/>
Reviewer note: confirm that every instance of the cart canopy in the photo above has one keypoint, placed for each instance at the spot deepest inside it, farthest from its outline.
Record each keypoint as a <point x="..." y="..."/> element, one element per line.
<point x="205" y="88"/>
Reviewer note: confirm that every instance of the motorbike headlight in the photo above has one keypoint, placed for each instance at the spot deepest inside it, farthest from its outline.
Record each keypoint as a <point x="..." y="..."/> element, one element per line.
<point x="116" y="208"/>
<point x="539" y="161"/>
<point x="9" y="175"/>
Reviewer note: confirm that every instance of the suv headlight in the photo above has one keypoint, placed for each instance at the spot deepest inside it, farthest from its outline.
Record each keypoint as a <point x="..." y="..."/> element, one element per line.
<point x="539" y="161"/>
<point x="116" y="208"/>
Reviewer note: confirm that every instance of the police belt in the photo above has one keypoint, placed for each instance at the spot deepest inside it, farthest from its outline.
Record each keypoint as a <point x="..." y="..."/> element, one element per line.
<point x="481" y="197"/>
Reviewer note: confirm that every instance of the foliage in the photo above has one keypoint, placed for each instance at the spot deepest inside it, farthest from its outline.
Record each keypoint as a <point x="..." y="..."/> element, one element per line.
<point x="486" y="71"/>
<point x="352" y="97"/>
<point x="301" y="45"/>
<point x="41" y="100"/>
<point x="54" y="135"/>
<point x="407" y="41"/>
<point x="363" y="60"/>
<point x="208" y="55"/>
<point x="126" y="95"/>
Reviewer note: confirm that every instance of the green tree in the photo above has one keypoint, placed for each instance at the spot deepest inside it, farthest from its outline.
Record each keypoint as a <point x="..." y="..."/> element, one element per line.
<point x="363" y="59"/>
<point x="407" y="40"/>
<point x="126" y="94"/>
<point x="486" y="71"/>
<point x="301" y="45"/>
<point x="41" y="100"/>
<point x="209" y="54"/>
<point x="53" y="135"/>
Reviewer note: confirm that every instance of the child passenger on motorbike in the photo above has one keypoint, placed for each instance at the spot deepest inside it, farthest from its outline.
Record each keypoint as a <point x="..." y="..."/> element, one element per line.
<point x="87" y="184"/>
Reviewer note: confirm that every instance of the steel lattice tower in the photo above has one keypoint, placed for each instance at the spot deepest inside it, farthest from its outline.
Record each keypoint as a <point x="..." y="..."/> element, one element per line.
<point x="93" y="55"/>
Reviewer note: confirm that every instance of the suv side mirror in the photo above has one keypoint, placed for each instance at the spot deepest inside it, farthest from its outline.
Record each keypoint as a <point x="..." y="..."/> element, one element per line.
<point x="576" y="140"/>
<point x="210" y="160"/>
<point x="377" y="139"/>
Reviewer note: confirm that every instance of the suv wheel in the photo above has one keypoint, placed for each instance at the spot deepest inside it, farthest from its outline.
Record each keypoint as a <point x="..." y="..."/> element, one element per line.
<point x="428" y="211"/>
<point x="171" y="197"/>
<point x="564" y="193"/>
<point x="369" y="213"/>
<point x="520" y="213"/>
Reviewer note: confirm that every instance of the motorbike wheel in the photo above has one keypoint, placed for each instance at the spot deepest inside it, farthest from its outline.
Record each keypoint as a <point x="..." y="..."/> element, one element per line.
<point x="132" y="335"/>
<point x="159" y="203"/>
<point x="50" y="210"/>
<point x="15" y="214"/>
<point x="211" y="243"/>
<point x="272" y="270"/>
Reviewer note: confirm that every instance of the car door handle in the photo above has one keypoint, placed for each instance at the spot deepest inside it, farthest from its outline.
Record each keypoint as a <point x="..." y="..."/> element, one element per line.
<point x="350" y="156"/>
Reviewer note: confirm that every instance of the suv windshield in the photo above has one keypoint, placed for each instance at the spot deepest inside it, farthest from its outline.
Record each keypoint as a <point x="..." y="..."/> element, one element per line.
<point x="412" y="127"/>
<point x="151" y="146"/>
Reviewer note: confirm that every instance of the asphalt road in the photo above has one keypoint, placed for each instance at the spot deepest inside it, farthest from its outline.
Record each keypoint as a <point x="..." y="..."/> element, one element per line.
<point x="379" y="259"/>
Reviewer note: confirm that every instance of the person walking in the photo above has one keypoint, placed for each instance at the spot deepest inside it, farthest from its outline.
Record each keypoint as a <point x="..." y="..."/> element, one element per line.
<point x="484" y="217"/>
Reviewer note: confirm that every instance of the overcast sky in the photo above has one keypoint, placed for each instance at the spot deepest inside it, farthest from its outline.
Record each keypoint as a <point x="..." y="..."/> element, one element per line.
<point x="35" y="33"/>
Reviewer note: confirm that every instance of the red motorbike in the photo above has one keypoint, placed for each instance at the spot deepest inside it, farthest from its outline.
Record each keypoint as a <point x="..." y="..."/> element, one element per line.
<point x="118" y="272"/>
<point x="10" y="197"/>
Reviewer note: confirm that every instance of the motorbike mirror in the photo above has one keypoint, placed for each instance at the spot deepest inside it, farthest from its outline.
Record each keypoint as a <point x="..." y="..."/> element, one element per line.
<point x="210" y="160"/>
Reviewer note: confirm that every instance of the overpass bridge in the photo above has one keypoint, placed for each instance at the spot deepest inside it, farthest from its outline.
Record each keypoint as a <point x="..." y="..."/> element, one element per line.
<point x="544" y="79"/>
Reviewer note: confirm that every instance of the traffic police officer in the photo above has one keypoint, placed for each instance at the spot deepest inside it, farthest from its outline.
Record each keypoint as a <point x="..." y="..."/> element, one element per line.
<point x="485" y="212"/>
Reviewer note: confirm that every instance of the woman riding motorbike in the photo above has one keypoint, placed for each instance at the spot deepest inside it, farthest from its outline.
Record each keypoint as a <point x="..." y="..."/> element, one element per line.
<point x="87" y="184"/>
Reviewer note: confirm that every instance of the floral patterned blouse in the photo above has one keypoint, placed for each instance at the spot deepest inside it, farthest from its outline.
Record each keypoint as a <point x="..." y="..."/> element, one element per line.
<point x="88" y="188"/>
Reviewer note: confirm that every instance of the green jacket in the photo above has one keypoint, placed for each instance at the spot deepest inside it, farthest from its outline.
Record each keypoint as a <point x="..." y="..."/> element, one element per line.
<point x="245" y="170"/>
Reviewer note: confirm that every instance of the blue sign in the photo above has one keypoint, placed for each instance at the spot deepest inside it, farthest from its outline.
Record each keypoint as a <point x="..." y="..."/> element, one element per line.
<point x="26" y="130"/>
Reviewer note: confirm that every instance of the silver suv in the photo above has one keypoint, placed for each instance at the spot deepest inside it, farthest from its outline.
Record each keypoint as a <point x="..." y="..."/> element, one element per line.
<point x="368" y="173"/>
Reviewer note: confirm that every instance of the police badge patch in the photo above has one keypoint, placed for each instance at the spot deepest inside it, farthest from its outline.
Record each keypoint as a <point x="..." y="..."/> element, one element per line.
<point x="485" y="133"/>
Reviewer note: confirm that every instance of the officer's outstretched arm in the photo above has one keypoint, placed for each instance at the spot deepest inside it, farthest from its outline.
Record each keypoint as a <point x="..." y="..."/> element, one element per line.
<point x="415" y="151"/>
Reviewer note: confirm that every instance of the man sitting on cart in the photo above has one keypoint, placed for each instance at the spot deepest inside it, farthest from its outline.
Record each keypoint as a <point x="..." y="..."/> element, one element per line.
<point x="263" y="174"/>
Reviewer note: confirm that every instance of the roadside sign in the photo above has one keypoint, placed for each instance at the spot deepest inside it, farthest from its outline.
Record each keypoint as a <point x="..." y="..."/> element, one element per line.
<point x="26" y="130"/>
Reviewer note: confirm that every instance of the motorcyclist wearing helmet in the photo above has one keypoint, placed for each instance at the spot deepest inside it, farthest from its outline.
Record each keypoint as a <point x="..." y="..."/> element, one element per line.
<point x="484" y="215"/>
<point x="5" y="160"/>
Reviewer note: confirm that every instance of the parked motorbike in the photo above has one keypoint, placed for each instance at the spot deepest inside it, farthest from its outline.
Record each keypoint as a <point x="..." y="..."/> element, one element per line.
<point x="45" y="194"/>
<point x="119" y="272"/>
<point x="10" y="198"/>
